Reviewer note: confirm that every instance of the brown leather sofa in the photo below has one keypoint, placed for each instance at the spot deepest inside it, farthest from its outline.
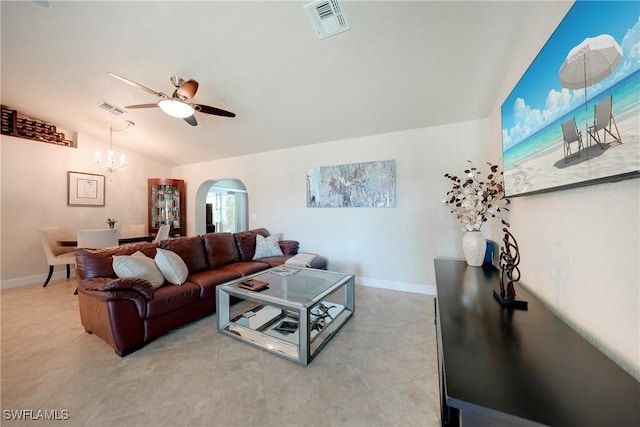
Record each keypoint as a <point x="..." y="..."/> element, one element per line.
<point x="127" y="313"/>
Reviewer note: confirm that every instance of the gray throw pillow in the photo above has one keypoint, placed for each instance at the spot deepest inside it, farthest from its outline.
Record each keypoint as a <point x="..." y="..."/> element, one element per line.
<point x="267" y="246"/>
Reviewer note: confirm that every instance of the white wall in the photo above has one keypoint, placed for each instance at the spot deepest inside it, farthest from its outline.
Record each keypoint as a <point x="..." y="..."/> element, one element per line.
<point x="580" y="248"/>
<point x="34" y="195"/>
<point x="387" y="247"/>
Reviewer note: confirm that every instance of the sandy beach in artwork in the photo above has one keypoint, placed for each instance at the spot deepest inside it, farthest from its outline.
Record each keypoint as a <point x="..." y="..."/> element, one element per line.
<point x="548" y="169"/>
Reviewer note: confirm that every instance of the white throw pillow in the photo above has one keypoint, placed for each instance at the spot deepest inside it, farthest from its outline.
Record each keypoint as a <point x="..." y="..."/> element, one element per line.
<point x="267" y="246"/>
<point x="139" y="266"/>
<point x="172" y="266"/>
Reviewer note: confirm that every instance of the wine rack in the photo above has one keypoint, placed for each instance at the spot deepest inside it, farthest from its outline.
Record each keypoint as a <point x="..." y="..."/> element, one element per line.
<point x="15" y="124"/>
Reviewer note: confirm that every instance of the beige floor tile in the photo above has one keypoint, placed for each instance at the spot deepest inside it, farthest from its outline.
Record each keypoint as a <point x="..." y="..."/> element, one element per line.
<point x="379" y="370"/>
<point x="407" y="405"/>
<point x="360" y="410"/>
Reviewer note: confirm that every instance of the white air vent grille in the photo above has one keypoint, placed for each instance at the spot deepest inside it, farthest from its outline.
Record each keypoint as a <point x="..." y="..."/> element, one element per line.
<point x="327" y="17"/>
<point x="106" y="106"/>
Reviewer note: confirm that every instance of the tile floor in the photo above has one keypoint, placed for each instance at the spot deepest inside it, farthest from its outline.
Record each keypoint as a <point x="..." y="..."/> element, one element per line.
<point x="379" y="370"/>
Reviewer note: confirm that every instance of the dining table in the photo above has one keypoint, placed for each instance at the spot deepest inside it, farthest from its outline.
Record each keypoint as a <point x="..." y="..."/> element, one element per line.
<point x="71" y="241"/>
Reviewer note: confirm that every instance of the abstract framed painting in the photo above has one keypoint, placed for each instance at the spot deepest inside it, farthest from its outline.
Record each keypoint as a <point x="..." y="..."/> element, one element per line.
<point x="573" y="119"/>
<point x="85" y="189"/>
<point x="355" y="185"/>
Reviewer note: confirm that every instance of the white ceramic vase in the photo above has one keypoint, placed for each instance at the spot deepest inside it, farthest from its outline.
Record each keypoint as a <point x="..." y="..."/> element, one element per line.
<point x="474" y="246"/>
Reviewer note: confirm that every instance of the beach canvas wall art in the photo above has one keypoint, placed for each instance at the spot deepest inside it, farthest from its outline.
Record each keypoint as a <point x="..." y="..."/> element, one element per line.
<point x="355" y="185"/>
<point x="533" y="143"/>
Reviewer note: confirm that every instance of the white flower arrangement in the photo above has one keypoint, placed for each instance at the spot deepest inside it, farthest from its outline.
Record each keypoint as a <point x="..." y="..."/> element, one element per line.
<point x="473" y="201"/>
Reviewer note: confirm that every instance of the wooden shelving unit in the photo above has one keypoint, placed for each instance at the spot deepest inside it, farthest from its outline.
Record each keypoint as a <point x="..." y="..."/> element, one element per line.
<point x="15" y="124"/>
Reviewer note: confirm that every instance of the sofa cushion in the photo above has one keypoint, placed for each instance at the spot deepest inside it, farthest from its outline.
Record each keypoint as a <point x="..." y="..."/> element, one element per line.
<point x="221" y="249"/>
<point x="246" y="242"/>
<point x="267" y="246"/>
<point x="172" y="266"/>
<point x="245" y="268"/>
<point x="170" y="298"/>
<point x="209" y="280"/>
<point x="138" y="266"/>
<point x="190" y="249"/>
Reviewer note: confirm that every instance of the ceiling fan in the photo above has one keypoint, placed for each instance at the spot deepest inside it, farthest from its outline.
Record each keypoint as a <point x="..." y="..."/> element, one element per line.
<point x="178" y="104"/>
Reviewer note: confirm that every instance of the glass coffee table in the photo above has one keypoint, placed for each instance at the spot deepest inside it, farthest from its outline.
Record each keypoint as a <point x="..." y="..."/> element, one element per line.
<point x="294" y="316"/>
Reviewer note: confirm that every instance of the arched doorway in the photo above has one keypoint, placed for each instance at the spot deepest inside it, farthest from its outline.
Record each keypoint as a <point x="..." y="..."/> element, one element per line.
<point x="222" y="205"/>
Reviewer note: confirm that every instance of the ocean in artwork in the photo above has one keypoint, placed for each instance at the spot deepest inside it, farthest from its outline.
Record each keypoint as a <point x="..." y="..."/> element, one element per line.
<point x="534" y="155"/>
<point x="626" y="104"/>
<point x="538" y="163"/>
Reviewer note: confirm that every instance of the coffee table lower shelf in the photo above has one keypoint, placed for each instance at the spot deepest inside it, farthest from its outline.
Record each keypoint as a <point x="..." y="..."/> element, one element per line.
<point x="285" y="345"/>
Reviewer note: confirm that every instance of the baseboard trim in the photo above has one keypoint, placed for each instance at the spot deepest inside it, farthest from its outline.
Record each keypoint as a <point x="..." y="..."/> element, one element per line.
<point x="393" y="285"/>
<point x="30" y="280"/>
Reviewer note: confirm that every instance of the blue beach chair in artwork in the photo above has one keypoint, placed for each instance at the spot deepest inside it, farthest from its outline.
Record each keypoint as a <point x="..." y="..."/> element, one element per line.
<point x="603" y="120"/>
<point x="570" y="135"/>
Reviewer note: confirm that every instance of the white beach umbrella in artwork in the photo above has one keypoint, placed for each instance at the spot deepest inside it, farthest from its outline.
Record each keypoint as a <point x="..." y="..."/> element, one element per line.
<point x="589" y="62"/>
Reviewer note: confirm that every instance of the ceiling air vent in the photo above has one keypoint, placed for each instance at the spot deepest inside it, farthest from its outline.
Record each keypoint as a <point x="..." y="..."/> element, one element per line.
<point x="106" y="106"/>
<point x="327" y="17"/>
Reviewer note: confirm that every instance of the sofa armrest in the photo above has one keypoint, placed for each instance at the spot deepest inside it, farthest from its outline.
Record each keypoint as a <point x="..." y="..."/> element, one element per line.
<point x="112" y="286"/>
<point x="105" y="289"/>
<point x="289" y="247"/>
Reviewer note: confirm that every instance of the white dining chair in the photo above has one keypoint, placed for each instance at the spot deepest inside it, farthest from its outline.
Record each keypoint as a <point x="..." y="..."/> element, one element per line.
<point x="163" y="233"/>
<point x="56" y="254"/>
<point x="97" y="238"/>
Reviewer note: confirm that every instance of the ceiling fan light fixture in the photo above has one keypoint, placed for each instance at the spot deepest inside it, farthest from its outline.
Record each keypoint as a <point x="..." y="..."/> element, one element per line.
<point x="177" y="105"/>
<point x="176" y="108"/>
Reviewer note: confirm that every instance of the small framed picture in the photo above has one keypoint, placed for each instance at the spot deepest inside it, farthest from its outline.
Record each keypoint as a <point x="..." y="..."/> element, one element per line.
<point x="85" y="189"/>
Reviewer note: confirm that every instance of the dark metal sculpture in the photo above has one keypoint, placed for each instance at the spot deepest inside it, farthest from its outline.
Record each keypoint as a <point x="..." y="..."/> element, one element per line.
<point x="319" y="317"/>
<point x="509" y="273"/>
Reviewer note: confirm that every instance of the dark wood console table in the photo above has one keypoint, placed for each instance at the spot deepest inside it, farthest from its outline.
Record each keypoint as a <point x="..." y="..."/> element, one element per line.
<point x="503" y="367"/>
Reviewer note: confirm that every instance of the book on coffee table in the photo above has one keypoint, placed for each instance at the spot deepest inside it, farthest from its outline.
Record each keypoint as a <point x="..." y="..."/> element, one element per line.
<point x="254" y="284"/>
<point x="287" y="327"/>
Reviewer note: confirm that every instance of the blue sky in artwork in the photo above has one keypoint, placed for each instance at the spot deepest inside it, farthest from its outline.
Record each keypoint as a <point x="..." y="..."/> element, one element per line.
<point x="539" y="97"/>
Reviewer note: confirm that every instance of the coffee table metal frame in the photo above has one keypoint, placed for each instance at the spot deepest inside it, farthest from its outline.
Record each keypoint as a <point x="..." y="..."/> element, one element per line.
<point x="269" y="308"/>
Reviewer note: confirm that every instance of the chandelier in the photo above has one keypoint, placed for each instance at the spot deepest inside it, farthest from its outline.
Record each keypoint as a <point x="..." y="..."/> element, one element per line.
<point x="109" y="164"/>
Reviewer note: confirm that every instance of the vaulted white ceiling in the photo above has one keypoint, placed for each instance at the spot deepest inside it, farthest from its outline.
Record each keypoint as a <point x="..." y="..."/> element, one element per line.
<point x="402" y="65"/>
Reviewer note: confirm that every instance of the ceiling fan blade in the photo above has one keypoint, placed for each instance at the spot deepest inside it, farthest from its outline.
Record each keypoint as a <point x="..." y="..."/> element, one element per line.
<point x="188" y="89"/>
<point x="213" y="110"/>
<point x="191" y="120"/>
<point x="138" y="85"/>
<point x="141" y="106"/>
